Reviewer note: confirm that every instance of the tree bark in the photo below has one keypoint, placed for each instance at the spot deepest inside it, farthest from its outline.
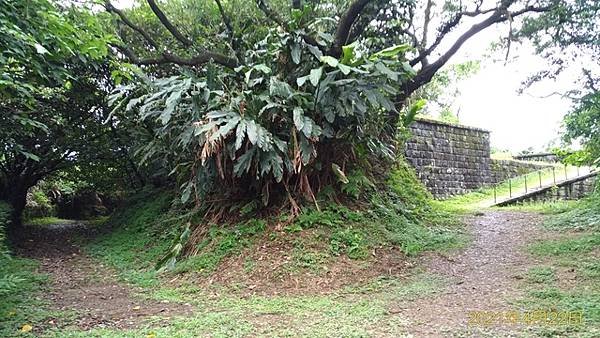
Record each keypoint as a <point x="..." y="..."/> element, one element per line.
<point x="15" y="193"/>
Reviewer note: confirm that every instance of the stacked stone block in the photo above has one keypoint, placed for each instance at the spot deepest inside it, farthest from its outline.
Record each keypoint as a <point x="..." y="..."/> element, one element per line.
<point x="501" y="170"/>
<point x="449" y="159"/>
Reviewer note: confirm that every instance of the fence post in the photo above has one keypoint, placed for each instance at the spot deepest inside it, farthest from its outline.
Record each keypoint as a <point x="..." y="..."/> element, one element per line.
<point x="525" y="183"/>
<point x="577" y="171"/>
<point x="540" y="177"/>
<point x="509" y="188"/>
<point x="554" y="174"/>
<point x="495" y="194"/>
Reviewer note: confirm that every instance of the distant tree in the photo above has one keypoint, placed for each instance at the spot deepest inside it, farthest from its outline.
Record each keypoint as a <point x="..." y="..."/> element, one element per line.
<point x="442" y="91"/>
<point x="568" y="38"/>
<point x="53" y="85"/>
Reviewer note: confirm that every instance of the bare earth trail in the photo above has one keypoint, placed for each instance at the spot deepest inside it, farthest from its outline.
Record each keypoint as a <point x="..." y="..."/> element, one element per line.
<point x="83" y="286"/>
<point x="483" y="277"/>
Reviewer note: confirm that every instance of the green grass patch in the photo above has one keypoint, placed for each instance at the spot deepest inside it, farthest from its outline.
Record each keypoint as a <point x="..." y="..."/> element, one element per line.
<point x="358" y="311"/>
<point x="137" y="236"/>
<point x="219" y="243"/>
<point x="567" y="246"/>
<point x="45" y="221"/>
<point x="484" y="197"/>
<point x="544" y="207"/>
<point x="541" y="274"/>
<point x="20" y="287"/>
<point x="569" y="280"/>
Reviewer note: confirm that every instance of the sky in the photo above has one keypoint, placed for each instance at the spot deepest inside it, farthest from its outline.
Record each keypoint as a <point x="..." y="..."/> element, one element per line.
<point x="490" y="98"/>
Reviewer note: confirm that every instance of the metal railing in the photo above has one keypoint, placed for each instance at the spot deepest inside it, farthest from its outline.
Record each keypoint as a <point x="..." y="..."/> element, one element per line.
<point x="545" y="177"/>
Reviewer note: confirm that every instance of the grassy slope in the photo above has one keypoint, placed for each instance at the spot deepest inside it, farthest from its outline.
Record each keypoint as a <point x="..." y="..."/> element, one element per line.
<point x="402" y="218"/>
<point x="568" y="279"/>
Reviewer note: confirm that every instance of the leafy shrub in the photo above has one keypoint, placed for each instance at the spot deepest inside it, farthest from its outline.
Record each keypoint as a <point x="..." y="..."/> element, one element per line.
<point x="287" y="120"/>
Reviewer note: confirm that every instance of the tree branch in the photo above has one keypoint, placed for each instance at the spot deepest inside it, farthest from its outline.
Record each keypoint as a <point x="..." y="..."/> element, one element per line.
<point x="168" y="25"/>
<point x="227" y="21"/>
<point x="426" y="73"/>
<point x="111" y="9"/>
<point x="167" y="58"/>
<point x="271" y="14"/>
<point x="345" y="24"/>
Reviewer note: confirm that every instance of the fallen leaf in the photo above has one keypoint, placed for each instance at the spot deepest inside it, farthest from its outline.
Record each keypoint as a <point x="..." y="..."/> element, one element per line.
<point x="26" y="328"/>
<point x="151" y="335"/>
<point x="137" y="307"/>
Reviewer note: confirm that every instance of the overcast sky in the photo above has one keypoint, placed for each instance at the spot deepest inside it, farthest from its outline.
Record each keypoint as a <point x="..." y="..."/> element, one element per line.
<point x="490" y="98"/>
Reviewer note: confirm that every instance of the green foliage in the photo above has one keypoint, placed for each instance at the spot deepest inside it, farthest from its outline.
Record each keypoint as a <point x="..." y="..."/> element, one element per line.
<point x="585" y="215"/>
<point x="18" y="284"/>
<point x="37" y="38"/>
<point x="221" y="242"/>
<point x="289" y="113"/>
<point x="541" y="275"/>
<point x="140" y="234"/>
<point x="579" y="245"/>
<point x="441" y="92"/>
<point x="582" y="124"/>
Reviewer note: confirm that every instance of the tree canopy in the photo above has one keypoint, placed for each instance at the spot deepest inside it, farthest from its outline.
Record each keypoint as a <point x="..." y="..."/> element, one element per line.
<point x="276" y="99"/>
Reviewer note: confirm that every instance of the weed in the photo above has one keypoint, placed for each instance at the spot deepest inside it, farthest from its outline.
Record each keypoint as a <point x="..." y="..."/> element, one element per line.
<point x="541" y="274"/>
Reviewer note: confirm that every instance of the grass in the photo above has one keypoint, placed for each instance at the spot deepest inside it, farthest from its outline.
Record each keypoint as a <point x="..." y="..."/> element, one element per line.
<point x="138" y="235"/>
<point x="45" y="221"/>
<point x="484" y="197"/>
<point x="355" y="312"/>
<point x="402" y="216"/>
<point x="569" y="280"/>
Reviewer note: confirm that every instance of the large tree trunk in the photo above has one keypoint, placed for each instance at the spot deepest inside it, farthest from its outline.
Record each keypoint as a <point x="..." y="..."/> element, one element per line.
<point x="15" y="193"/>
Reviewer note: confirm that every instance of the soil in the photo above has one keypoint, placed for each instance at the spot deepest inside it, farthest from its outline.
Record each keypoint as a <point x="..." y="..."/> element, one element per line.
<point x="484" y="277"/>
<point x="275" y="269"/>
<point x="81" y="286"/>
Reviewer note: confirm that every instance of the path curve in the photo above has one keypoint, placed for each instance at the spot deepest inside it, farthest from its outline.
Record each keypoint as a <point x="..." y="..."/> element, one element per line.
<point x="483" y="277"/>
<point x="81" y="284"/>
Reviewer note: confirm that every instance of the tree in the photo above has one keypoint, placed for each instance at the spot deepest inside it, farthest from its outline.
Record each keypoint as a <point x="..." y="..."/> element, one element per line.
<point x="441" y="92"/>
<point x="279" y="98"/>
<point x="565" y="37"/>
<point x="54" y="79"/>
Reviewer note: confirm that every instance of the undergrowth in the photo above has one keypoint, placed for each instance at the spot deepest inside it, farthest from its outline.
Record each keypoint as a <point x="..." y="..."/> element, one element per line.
<point x="569" y="278"/>
<point x="20" y="308"/>
<point x="400" y="214"/>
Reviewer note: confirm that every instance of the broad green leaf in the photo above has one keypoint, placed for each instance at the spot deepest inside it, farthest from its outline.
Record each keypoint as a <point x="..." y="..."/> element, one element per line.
<point x="302" y="80"/>
<point x="390" y="51"/>
<point x="315" y="75"/>
<point x="333" y="62"/>
<point x="296" y="51"/>
<point x="280" y="88"/>
<point x="298" y="118"/>
<point x="344" y="69"/>
<point x="348" y="53"/>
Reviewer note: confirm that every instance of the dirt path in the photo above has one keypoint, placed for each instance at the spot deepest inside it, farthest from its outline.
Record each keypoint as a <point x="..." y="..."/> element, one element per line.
<point x="484" y="277"/>
<point x="83" y="286"/>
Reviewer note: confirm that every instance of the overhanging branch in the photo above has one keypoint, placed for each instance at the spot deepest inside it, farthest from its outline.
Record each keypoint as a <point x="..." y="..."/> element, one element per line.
<point x="112" y="9"/>
<point x="344" y="26"/>
<point x="168" y="25"/>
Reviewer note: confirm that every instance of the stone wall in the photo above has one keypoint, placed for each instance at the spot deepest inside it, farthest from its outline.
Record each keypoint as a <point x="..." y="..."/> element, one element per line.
<point x="572" y="191"/>
<point x="541" y="157"/>
<point x="501" y="170"/>
<point x="449" y="159"/>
